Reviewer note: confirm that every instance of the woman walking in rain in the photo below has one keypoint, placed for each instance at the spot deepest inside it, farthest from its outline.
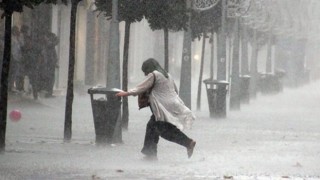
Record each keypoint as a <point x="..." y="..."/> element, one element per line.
<point x="169" y="114"/>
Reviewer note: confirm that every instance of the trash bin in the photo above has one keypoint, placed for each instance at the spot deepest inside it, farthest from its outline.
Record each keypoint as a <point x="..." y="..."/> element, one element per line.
<point x="244" y="89"/>
<point x="217" y="94"/>
<point x="106" y="112"/>
<point x="266" y="83"/>
<point x="270" y="83"/>
<point x="280" y="74"/>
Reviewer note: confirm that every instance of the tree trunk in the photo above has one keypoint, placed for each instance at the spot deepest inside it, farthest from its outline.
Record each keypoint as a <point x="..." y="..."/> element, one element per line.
<point x="244" y="52"/>
<point x="245" y="78"/>
<point x="235" y="79"/>
<point x="69" y="97"/>
<point x="166" y="49"/>
<point x="269" y="54"/>
<point x="4" y="80"/>
<point x="212" y="56"/>
<point x="125" y="109"/>
<point x="201" y="71"/>
<point x="230" y="58"/>
<point x="254" y="67"/>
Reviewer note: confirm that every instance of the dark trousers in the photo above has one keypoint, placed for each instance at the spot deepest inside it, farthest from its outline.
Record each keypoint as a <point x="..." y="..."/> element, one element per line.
<point x="50" y="81"/>
<point x="166" y="131"/>
<point x="34" y="81"/>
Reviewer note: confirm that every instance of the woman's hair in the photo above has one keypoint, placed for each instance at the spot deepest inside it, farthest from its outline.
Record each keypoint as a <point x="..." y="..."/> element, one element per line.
<point x="150" y="65"/>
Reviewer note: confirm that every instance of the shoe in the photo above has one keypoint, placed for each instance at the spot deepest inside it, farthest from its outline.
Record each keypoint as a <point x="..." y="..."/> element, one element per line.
<point x="149" y="151"/>
<point x="190" y="148"/>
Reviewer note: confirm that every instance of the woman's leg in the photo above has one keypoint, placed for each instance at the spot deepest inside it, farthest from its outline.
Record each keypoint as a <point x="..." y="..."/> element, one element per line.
<point x="151" y="138"/>
<point x="173" y="134"/>
<point x="166" y="131"/>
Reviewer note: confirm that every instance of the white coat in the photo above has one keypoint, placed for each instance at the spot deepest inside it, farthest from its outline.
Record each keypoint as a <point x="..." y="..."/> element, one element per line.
<point x="164" y="100"/>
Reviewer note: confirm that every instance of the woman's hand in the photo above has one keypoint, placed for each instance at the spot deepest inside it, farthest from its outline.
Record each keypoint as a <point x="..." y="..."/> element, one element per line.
<point x="122" y="93"/>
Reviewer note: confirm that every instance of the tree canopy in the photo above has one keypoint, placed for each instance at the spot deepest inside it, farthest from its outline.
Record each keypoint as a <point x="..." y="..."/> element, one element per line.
<point x="205" y="21"/>
<point x="17" y="5"/>
<point x="129" y="10"/>
<point x="169" y="14"/>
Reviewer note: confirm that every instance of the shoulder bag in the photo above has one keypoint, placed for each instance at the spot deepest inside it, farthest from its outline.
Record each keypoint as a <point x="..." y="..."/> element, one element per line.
<point x="143" y="99"/>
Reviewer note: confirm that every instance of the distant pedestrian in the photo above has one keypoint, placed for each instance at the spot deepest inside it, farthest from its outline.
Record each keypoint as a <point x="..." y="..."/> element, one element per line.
<point x="51" y="62"/>
<point x="16" y="67"/>
<point x="25" y="49"/>
<point x="169" y="114"/>
<point x="31" y="60"/>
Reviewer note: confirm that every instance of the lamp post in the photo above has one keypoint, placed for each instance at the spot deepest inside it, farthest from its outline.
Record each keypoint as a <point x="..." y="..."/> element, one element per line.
<point x="113" y="64"/>
<point x="221" y="64"/>
<point x="185" y="79"/>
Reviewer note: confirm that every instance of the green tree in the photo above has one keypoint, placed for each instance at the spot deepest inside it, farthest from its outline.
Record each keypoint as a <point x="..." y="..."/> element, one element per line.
<point x="168" y="15"/>
<point x="129" y="11"/>
<point x="9" y="7"/>
<point x="207" y="21"/>
<point x="203" y="23"/>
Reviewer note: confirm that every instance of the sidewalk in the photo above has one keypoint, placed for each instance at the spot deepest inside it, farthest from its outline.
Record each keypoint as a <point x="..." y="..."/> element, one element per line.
<point x="274" y="137"/>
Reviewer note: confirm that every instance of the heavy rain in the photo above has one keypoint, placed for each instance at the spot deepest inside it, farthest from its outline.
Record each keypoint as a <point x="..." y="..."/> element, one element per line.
<point x="247" y="69"/>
